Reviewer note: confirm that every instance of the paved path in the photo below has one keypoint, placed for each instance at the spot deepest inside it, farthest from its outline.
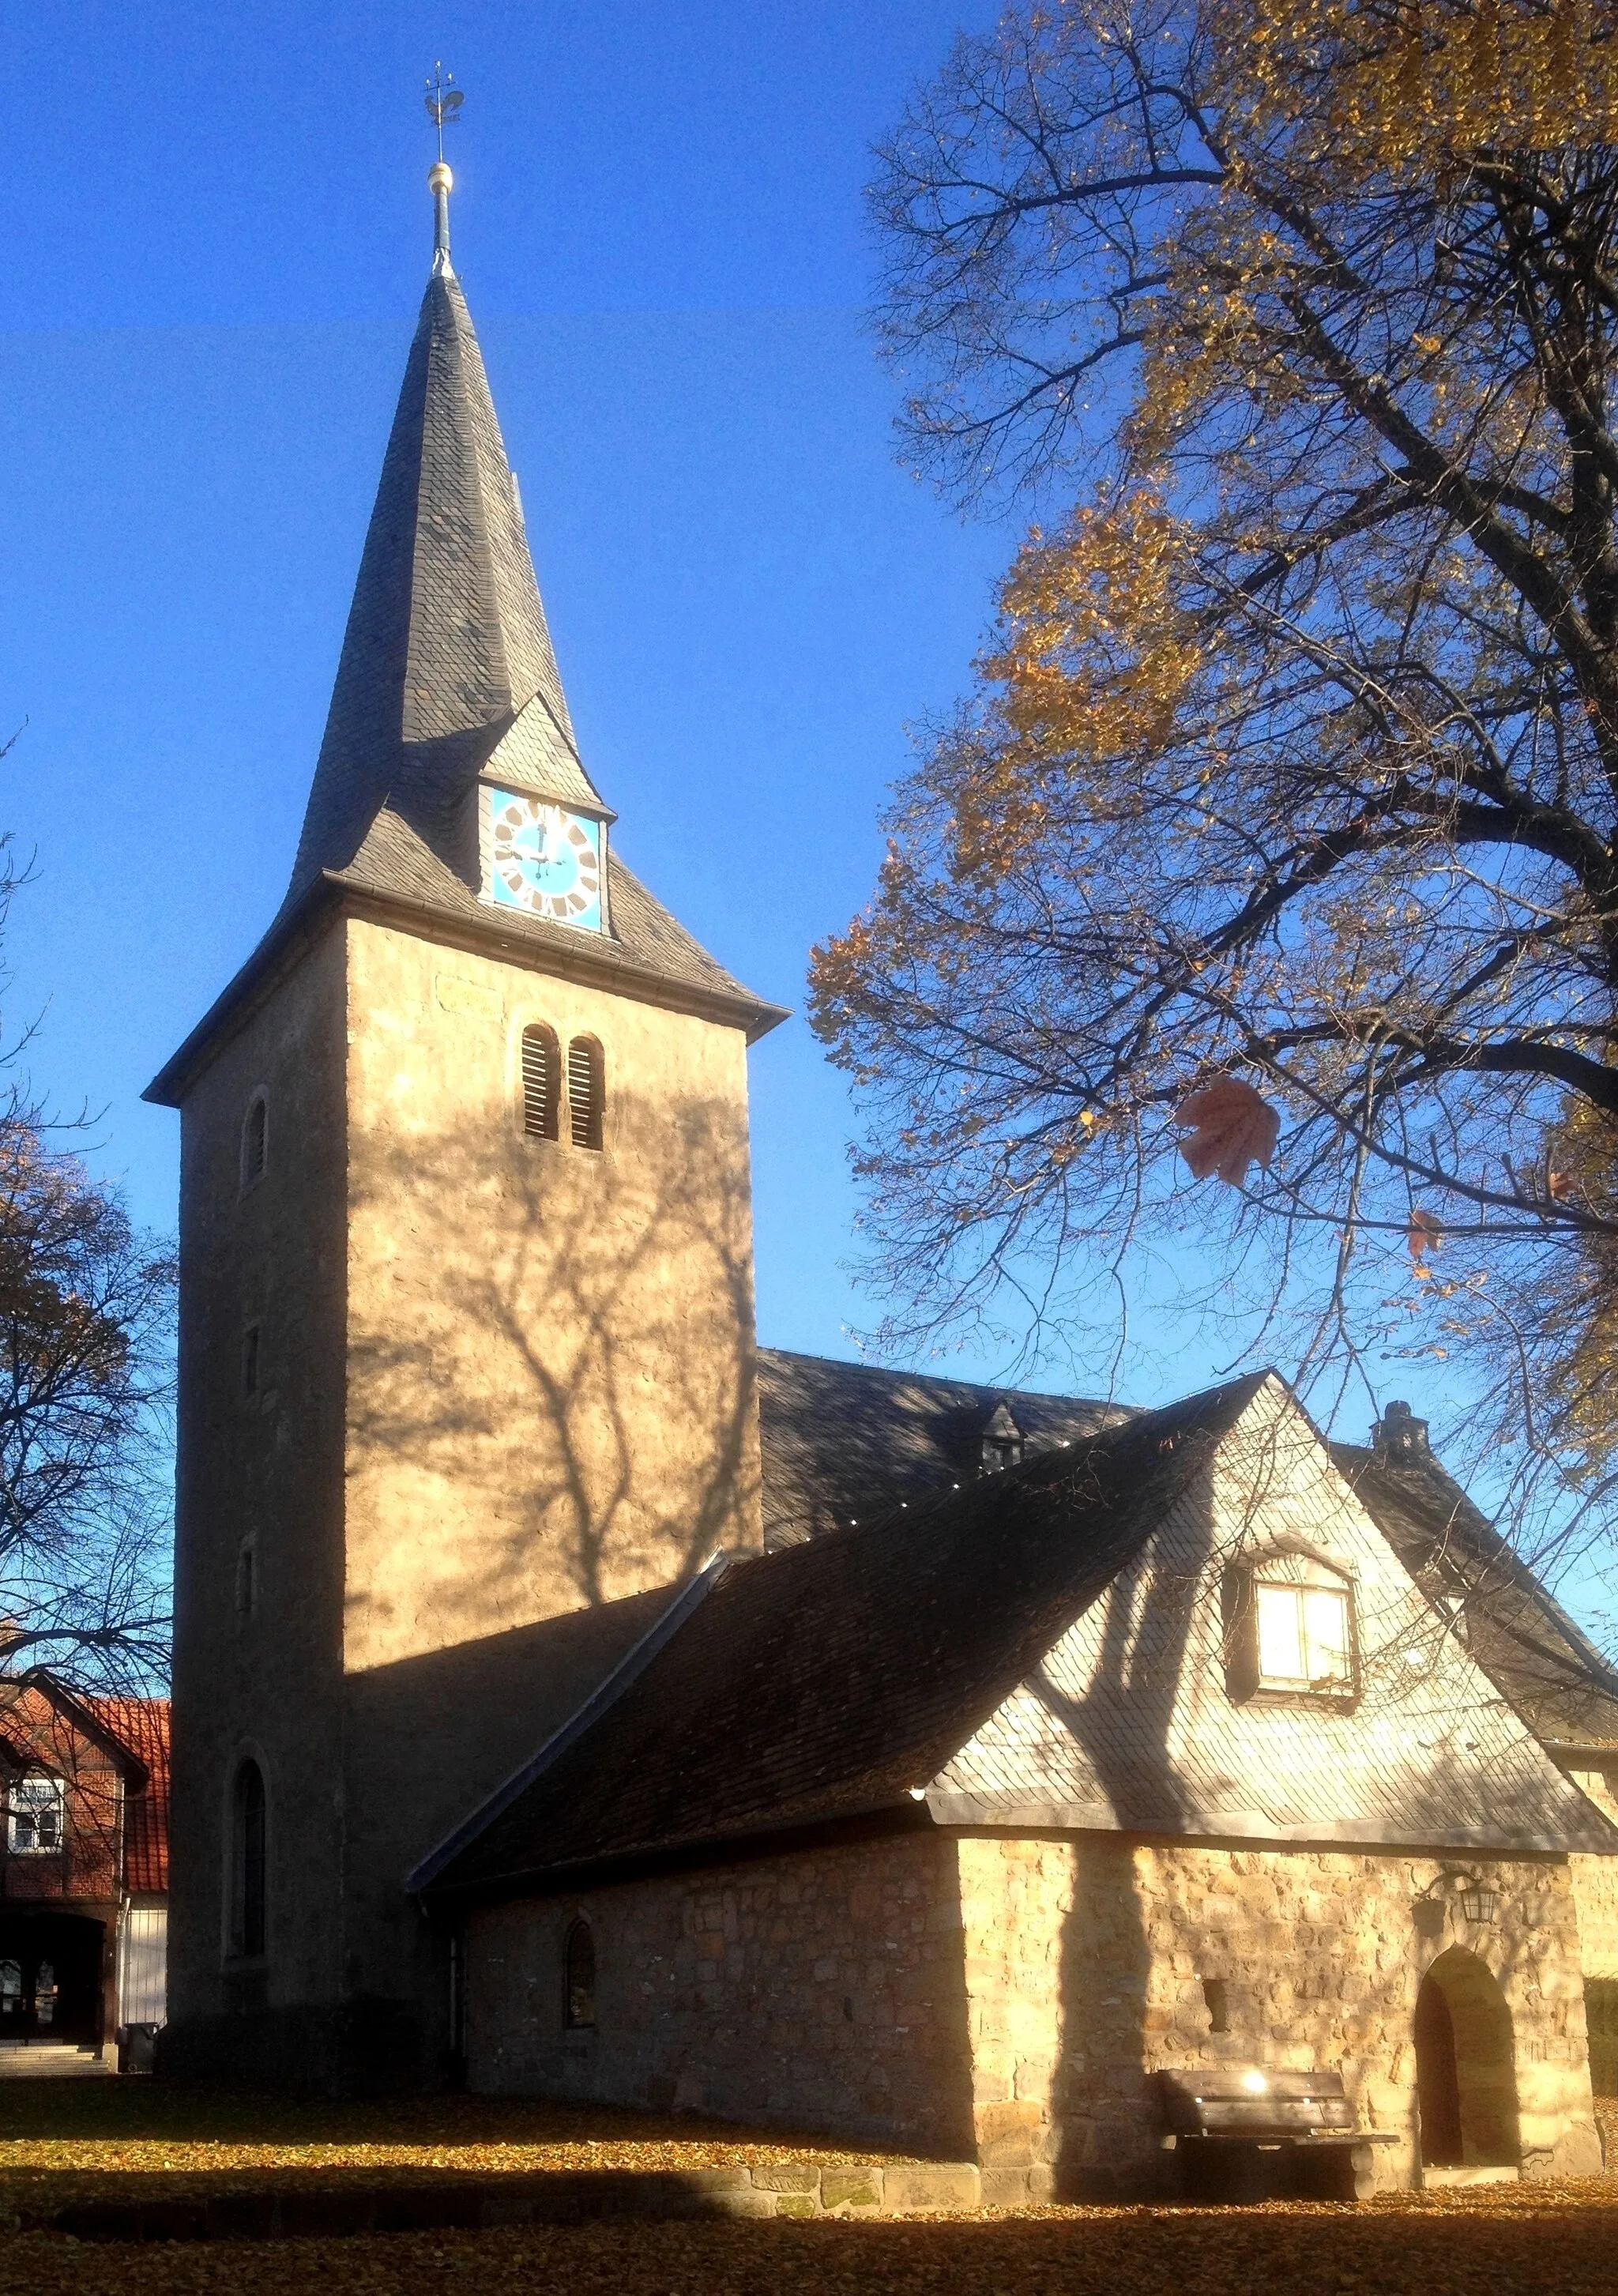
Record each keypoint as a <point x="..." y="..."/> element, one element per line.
<point x="52" y="2060"/>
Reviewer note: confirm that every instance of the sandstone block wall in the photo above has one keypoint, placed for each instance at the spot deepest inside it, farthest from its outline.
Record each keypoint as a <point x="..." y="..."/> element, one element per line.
<point x="1086" y="1961"/>
<point x="1006" y="2000"/>
<point x="821" y="1989"/>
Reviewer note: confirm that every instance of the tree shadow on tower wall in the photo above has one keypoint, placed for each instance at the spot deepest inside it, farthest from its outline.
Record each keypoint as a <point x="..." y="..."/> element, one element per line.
<point x="551" y="1423"/>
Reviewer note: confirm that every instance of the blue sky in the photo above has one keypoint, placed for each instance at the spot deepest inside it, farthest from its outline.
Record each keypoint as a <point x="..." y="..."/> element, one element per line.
<point x="218" y="235"/>
<point x="220" y="232"/>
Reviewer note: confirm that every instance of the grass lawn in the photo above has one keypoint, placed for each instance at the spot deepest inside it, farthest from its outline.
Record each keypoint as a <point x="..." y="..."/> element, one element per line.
<point x="93" y="2139"/>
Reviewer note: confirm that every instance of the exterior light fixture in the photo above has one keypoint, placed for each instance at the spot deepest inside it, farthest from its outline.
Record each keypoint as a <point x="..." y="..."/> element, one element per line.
<point x="1473" y="1898"/>
<point x="1479" y="1902"/>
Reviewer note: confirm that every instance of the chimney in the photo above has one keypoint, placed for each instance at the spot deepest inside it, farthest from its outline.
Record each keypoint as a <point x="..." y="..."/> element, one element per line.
<point x="1400" y="1437"/>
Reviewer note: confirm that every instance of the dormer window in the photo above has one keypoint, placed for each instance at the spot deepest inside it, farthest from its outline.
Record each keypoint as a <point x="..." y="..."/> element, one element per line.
<point x="1002" y="1441"/>
<point x="1290" y="1628"/>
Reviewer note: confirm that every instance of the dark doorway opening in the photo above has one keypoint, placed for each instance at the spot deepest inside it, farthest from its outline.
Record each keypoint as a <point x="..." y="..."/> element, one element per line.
<point x="1437" y="2089"/>
<point x="50" y="1978"/>
<point x="1466" y="2067"/>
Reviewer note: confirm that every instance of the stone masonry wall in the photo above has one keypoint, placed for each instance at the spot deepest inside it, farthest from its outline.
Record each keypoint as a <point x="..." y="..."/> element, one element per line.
<point x="821" y="1989"/>
<point x="1086" y="1962"/>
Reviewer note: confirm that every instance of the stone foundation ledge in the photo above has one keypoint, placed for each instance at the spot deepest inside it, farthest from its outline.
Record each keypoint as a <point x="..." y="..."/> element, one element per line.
<point x="562" y="2196"/>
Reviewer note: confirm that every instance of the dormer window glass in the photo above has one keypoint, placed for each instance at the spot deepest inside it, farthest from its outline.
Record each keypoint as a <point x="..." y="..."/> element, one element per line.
<point x="1304" y="1638"/>
<point x="1002" y="1441"/>
<point x="1290" y="1629"/>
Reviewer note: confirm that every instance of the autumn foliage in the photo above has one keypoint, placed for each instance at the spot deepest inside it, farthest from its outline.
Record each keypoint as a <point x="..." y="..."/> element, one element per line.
<point x="1292" y="756"/>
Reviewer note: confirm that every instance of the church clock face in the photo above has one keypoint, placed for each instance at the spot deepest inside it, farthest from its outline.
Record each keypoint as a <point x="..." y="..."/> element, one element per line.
<point x="545" y="860"/>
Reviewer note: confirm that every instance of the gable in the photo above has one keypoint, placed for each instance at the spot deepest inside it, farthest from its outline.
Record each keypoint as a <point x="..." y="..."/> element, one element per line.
<point x="1130" y="1721"/>
<point x="831" y="1679"/>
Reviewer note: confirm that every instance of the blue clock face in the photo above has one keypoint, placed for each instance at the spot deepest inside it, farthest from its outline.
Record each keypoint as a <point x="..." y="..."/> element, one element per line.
<point x="544" y="859"/>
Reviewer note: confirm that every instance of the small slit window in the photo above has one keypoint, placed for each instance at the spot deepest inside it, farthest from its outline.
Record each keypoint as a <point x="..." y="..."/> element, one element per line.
<point x="586" y="1092"/>
<point x="255" y="1141"/>
<point x="541" y="1081"/>
<point x="249" y="1360"/>
<point x="579" y="1977"/>
<point x="248" y="1864"/>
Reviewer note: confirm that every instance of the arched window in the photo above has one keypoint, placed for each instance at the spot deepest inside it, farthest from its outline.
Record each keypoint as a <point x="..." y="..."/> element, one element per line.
<point x="578" y="1976"/>
<point x="247" y="1863"/>
<point x="586" y="1092"/>
<point x="255" y="1141"/>
<point x="541" y="1081"/>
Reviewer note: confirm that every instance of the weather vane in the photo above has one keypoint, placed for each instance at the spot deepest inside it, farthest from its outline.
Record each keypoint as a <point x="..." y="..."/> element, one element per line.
<point x="444" y="101"/>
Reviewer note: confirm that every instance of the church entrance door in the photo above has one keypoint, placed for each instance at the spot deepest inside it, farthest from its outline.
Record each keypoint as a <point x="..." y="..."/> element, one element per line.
<point x="50" y="1978"/>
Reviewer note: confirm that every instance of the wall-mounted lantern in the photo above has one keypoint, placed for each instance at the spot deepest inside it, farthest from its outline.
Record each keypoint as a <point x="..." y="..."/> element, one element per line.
<point x="1475" y="1899"/>
<point x="1479" y="1902"/>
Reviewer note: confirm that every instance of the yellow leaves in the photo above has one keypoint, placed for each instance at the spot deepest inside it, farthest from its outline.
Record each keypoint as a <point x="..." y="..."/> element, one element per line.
<point x="1421" y="80"/>
<point x="1096" y="651"/>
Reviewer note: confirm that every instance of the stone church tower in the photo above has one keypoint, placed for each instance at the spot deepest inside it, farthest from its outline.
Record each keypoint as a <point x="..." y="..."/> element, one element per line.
<point x="466" y="1374"/>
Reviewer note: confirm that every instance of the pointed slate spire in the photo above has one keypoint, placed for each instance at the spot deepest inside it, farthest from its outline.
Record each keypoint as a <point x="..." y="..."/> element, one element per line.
<point x="447" y="652"/>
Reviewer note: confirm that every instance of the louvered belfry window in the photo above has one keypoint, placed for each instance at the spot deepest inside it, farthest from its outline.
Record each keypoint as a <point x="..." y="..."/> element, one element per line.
<point x="586" y="1092"/>
<point x="541" y="1078"/>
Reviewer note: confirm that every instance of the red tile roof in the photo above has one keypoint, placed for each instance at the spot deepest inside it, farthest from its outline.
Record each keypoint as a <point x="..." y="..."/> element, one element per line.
<point x="142" y="1725"/>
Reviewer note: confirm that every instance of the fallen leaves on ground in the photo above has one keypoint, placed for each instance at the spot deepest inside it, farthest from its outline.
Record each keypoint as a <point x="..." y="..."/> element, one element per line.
<point x="62" y="2142"/>
<point x="1502" y="2241"/>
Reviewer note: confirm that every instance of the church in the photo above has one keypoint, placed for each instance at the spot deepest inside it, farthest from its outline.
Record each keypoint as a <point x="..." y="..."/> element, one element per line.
<point x="573" y="1698"/>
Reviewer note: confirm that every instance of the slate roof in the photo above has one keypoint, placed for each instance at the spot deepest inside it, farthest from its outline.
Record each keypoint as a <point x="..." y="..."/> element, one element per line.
<point x="1553" y="1675"/>
<point x="448" y="672"/>
<point x="830" y="1679"/>
<point x="843" y="1442"/>
<point x="937" y="1653"/>
<point x="447" y="640"/>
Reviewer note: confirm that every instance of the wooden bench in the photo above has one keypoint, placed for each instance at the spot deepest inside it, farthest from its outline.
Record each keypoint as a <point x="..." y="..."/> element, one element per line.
<point x="1256" y="2132"/>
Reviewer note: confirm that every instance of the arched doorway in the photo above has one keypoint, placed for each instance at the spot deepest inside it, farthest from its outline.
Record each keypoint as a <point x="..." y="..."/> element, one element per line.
<point x="50" y="1978"/>
<point x="1466" y="2067"/>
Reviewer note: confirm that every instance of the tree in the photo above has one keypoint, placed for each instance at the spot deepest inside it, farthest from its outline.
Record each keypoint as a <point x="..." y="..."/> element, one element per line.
<point x="86" y="1317"/>
<point x="1292" y="760"/>
<point x="85" y="1306"/>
